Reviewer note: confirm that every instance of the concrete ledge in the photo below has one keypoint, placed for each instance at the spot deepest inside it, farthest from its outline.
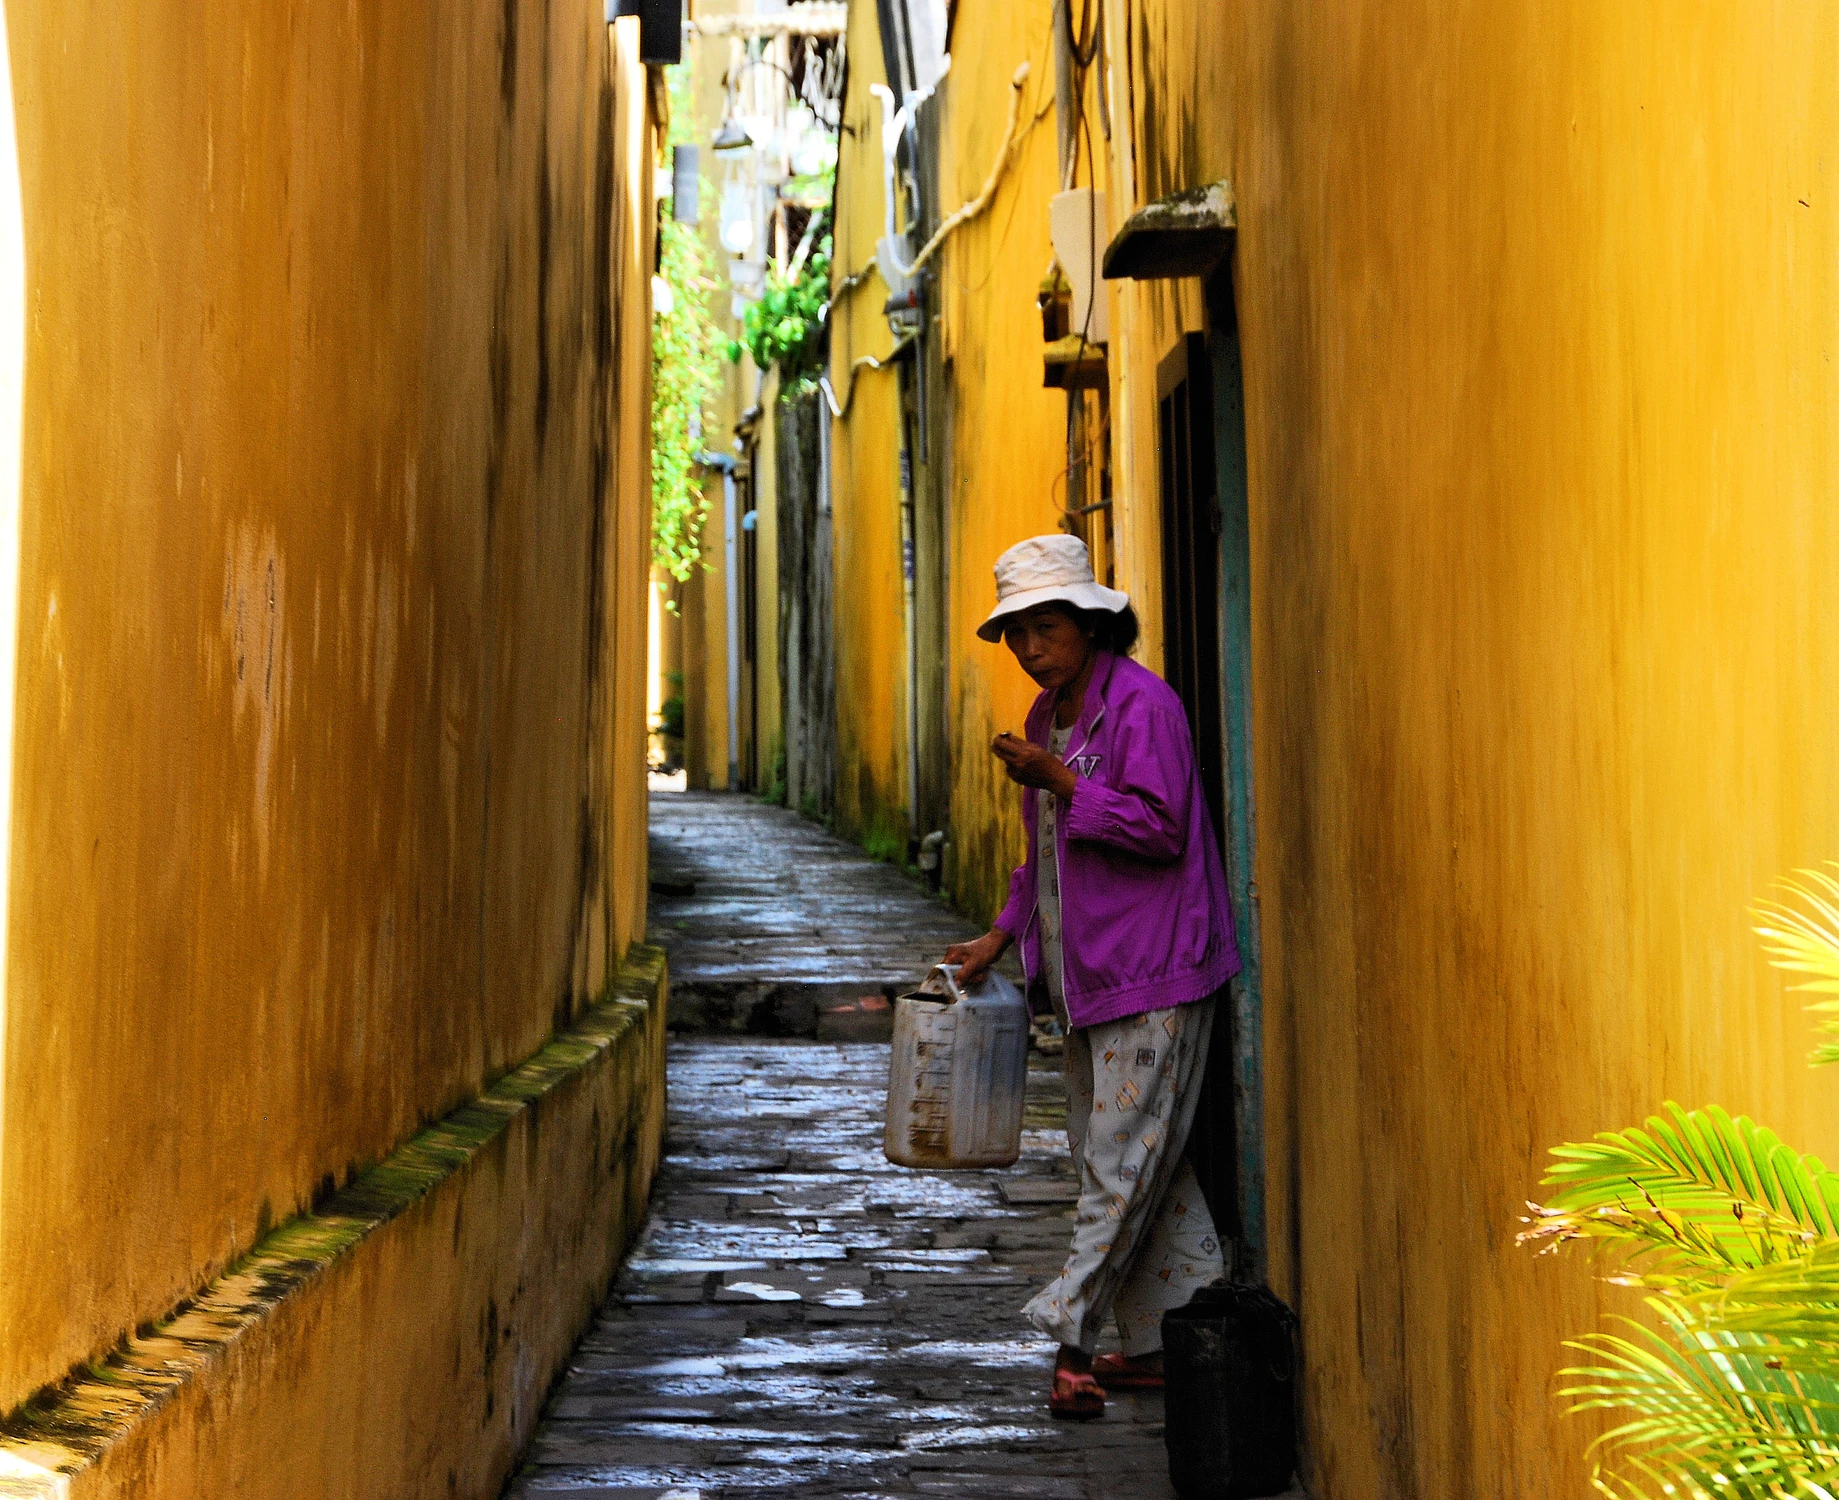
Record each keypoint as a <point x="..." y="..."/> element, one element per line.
<point x="400" y="1341"/>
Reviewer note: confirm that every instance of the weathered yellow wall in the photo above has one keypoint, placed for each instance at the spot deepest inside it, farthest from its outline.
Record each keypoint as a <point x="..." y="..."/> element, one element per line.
<point x="704" y="601"/>
<point x="1006" y="435"/>
<point x="865" y="482"/>
<point x="1008" y="432"/>
<point x="330" y="703"/>
<point x="770" y="713"/>
<point x="402" y="1339"/>
<point x="1537" y="303"/>
<point x="705" y="638"/>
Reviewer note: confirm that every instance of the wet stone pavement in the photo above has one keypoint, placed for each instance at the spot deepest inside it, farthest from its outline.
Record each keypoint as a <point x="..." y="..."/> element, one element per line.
<point x="775" y="927"/>
<point x="801" y="1315"/>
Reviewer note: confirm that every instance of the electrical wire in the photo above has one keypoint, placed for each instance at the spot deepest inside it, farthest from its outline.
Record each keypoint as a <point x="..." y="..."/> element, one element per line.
<point x="864" y="361"/>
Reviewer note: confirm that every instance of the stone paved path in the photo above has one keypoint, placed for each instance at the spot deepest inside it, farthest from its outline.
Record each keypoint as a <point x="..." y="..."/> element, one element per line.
<point x="800" y="1316"/>
<point x="772" y="923"/>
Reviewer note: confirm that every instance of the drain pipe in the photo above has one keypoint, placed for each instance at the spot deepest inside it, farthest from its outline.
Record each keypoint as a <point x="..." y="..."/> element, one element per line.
<point x="910" y="607"/>
<point x="731" y="581"/>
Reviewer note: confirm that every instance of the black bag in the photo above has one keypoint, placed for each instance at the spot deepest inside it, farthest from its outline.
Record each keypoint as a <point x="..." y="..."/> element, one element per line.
<point x="1229" y="1357"/>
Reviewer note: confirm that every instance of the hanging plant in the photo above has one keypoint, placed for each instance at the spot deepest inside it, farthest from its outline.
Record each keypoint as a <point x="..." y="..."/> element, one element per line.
<point x="785" y="327"/>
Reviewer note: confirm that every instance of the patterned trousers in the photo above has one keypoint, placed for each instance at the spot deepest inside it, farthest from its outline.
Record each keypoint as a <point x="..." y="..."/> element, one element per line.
<point x="1143" y="1239"/>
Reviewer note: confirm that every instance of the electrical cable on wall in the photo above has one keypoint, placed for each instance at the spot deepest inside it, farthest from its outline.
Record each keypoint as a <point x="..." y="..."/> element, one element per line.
<point x="864" y="361"/>
<point x="981" y="202"/>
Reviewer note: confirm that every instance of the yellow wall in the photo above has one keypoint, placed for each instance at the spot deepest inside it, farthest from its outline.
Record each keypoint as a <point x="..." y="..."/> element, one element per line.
<point x="704" y="601"/>
<point x="704" y="629"/>
<point x="1537" y="302"/>
<point x="1005" y="432"/>
<point x="865" y="482"/>
<point x="330" y="707"/>
<point x="1008" y="433"/>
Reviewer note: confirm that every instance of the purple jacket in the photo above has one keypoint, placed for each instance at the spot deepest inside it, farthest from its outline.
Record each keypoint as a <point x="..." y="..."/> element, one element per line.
<point x="1144" y="914"/>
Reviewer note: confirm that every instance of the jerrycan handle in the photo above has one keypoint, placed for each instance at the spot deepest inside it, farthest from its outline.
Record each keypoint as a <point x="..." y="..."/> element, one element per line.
<point x="943" y="983"/>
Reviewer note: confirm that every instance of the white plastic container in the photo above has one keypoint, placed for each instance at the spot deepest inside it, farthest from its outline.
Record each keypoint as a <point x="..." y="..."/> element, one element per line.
<point x="957" y="1073"/>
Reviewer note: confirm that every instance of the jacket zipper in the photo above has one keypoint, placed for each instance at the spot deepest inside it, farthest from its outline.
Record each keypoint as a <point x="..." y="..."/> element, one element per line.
<point x="1035" y="910"/>
<point x="1059" y="881"/>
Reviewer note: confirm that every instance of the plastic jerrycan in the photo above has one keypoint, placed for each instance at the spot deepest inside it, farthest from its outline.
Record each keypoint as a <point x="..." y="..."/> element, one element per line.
<point x="957" y="1073"/>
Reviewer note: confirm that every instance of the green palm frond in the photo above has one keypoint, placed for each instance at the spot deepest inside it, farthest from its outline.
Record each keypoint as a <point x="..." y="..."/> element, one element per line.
<point x="1698" y="1195"/>
<point x="1796" y="1302"/>
<point x="1710" y="1413"/>
<point x="1801" y="935"/>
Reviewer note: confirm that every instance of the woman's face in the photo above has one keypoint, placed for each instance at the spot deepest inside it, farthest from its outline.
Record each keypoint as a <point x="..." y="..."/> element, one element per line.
<point x="1049" y="644"/>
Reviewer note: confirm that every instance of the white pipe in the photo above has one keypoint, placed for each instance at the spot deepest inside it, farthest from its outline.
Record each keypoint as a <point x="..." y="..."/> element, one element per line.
<point x="732" y="580"/>
<point x="893" y="126"/>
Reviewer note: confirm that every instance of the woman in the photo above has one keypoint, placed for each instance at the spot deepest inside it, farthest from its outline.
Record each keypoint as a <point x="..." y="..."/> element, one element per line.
<point x="1121" y="911"/>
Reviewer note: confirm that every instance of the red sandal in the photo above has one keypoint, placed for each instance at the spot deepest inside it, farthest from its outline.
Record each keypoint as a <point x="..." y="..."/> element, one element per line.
<point x="1076" y="1396"/>
<point x="1119" y="1372"/>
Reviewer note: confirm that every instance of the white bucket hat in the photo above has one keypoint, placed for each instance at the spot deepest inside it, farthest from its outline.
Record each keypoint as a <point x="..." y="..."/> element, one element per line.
<point x="1045" y="570"/>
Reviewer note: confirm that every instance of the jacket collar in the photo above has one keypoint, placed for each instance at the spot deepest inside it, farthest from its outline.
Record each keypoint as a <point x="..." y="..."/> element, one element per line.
<point x="1091" y="713"/>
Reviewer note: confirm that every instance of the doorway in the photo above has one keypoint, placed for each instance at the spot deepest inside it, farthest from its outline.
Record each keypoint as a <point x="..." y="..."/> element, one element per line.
<point x="1206" y="561"/>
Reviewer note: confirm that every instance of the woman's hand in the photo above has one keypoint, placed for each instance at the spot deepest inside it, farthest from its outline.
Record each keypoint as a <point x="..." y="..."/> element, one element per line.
<point x="1032" y="766"/>
<point x="974" y="957"/>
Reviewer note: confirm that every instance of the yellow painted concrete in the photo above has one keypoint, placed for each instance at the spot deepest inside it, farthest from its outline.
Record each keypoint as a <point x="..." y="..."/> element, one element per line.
<point x="401" y="1340"/>
<point x="1538" y="304"/>
<point x="327" y="799"/>
<point x="865" y="485"/>
<point x="1008" y="433"/>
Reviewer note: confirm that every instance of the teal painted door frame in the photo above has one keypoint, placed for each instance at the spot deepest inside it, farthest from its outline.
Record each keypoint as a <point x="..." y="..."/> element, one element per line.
<point x="1235" y="619"/>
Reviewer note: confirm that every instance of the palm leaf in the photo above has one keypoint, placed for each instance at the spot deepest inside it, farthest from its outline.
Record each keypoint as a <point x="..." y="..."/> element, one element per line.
<point x="1709" y="1414"/>
<point x="1698" y="1195"/>
<point x="1801" y="936"/>
<point x="1796" y="1301"/>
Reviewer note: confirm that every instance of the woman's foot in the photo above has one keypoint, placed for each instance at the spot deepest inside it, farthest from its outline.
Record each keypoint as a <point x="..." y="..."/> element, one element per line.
<point x="1120" y="1372"/>
<point x="1076" y="1396"/>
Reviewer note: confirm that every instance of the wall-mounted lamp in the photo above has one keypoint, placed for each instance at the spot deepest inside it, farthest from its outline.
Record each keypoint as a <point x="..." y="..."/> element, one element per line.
<point x="732" y="138"/>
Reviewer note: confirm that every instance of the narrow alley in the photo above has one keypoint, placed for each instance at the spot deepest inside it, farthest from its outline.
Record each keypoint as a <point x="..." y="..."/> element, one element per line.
<point x="798" y="1311"/>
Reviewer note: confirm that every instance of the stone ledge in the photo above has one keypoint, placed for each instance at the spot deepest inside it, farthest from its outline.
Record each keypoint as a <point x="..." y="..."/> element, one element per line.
<point x="65" y="1442"/>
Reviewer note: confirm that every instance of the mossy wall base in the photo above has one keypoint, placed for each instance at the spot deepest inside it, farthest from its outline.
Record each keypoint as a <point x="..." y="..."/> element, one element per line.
<point x="398" y="1342"/>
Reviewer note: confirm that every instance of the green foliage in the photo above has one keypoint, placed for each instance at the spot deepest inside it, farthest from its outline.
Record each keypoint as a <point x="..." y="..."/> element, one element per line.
<point x="785" y="327"/>
<point x="885" y="841"/>
<point x="670" y="717"/>
<point x="1801" y="942"/>
<point x="1737" y="1236"/>
<point x="775" y="789"/>
<point x="685" y="368"/>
